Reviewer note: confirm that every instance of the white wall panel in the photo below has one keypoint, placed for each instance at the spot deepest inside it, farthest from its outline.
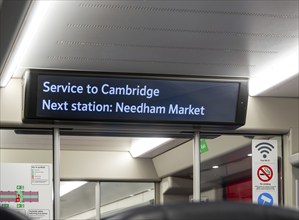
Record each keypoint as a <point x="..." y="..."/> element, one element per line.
<point x="105" y="165"/>
<point x="88" y="165"/>
<point x="11" y="102"/>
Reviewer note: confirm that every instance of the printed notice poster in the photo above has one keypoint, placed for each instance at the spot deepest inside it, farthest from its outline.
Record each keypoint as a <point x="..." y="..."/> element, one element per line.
<point x="264" y="172"/>
<point x="40" y="174"/>
<point x="27" y="188"/>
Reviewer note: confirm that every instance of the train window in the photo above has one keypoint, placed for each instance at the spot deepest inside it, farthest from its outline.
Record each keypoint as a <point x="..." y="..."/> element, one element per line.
<point x="120" y="196"/>
<point x="77" y="200"/>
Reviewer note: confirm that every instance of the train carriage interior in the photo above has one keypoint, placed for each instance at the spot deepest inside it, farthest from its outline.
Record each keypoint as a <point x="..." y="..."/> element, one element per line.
<point x="252" y="41"/>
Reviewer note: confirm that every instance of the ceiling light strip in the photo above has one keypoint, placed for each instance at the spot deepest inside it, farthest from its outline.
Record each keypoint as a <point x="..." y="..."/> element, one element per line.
<point x="140" y="146"/>
<point x="35" y="14"/>
<point x="275" y="72"/>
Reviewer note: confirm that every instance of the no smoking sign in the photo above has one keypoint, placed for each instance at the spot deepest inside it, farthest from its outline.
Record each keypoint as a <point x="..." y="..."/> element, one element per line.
<point x="265" y="173"/>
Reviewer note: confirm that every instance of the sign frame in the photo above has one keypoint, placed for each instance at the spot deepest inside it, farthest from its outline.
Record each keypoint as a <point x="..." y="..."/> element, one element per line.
<point x="31" y="84"/>
<point x="265" y="156"/>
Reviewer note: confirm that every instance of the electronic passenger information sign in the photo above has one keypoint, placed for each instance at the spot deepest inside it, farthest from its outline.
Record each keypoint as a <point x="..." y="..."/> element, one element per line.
<point x="106" y="97"/>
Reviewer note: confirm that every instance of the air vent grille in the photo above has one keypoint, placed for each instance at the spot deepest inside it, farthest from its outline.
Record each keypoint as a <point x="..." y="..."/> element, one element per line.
<point x="180" y="30"/>
<point x="96" y="59"/>
<point x="184" y="10"/>
<point x="99" y="44"/>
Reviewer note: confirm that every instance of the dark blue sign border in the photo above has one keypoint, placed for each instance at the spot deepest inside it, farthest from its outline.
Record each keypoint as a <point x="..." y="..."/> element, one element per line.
<point x="69" y="96"/>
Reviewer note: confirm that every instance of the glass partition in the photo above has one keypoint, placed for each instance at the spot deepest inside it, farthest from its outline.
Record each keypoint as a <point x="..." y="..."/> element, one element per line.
<point x="120" y="196"/>
<point x="226" y="174"/>
<point x="77" y="200"/>
<point x="226" y="169"/>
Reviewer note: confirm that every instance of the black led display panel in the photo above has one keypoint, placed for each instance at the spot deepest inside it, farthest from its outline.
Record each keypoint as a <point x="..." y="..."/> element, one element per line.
<point x="107" y="97"/>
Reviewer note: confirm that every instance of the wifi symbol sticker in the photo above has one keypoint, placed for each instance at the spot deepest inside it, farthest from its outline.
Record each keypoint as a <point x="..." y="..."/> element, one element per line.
<point x="264" y="148"/>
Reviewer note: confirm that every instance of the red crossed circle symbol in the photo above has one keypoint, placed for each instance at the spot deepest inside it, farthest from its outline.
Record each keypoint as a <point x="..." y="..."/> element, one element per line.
<point x="265" y="173"/>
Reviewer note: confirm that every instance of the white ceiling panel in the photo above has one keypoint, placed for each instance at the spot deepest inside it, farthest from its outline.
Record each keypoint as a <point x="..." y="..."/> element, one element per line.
<point x="202" y="38"/>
